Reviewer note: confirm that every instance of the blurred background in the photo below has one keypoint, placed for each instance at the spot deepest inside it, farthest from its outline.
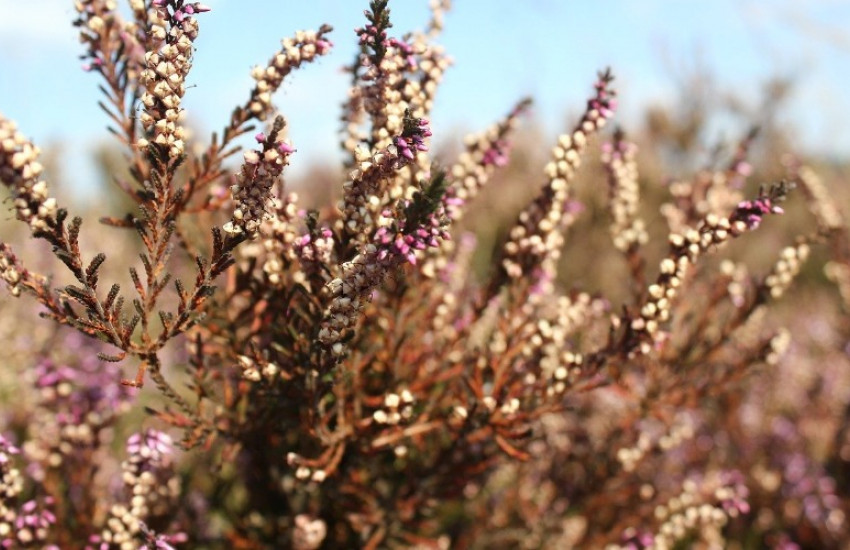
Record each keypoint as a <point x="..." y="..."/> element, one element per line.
<point x="728" y="58"/>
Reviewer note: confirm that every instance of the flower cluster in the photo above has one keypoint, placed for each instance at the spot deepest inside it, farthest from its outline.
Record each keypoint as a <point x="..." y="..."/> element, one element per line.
<point x="294" y="52"/>
<point x="20" y="170"/>
<point x="24" y="525"/>
<point x="704" y="505"/>
<point x="751" y="212"/>
<point x="279" y="237"/>
<point x="152" y="487"/>
<point x="627" y="230"/>
<point x="101" y="26"/>
<point x="483" y="154"/>
<point x="11" y="485"/>
<point x="260" y="171"/>
<point x="77" y="403"/>
<point x="390" y="246"/>
<point x="309" y="533"/>
<point x="412" y="139"/>
<point x="681" y="431"/>
<point x="401" y="242"/>
<point x="314" y="249"/>
<point x="10" y="270"/>
<point x="31" y="527"/>
<point x="786" y="269"/>
<point x="685" y="249"/>
<point x="257" y="369"/>
<point x="431" y="63"/>
<point x="361" y="276"/>
<point x="536" y="239"/>
<point x="396" y="407"/>
<point x="380" y="99"/>
<point x="372" y="175"/>
<point x="174" y="28"/>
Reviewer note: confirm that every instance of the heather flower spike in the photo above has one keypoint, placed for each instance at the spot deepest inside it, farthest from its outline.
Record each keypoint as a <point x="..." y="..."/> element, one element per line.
<point x="628" y="231"/>
<point x="390" y="246"/>
<point x="168" y="61"/>
<point x="259" y="174"/>
<point x="751" y="212"/>
<point x="537" y="237"/>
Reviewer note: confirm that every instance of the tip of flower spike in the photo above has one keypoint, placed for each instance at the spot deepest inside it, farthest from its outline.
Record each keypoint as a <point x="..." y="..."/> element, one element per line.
<point x="197" y="7"/>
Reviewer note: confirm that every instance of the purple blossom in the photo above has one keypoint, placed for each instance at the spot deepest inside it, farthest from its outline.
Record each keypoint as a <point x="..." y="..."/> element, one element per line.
<point x="323" y="45"/>
<point x="32" y="522"/>
<point x="751" y="212"/>
<point x="400" y="244"/>
<point x="154" y="541"/>
<point x="412" y="139"/>
<point x="6" y="448"/>
<point x="152" y="445"/>
<point x="406" y="51"/>
<point x="183" y="12"/>
<point x="314" y="248"/>
<point x="370" y="35"/>
<point x="604" y="102"/>
<point x="633" y="539"/>
<point x="743" y="168"/>
<point x="497" y="154"/>
<point x="575" y="207"/>
<point x="91" y="386"/>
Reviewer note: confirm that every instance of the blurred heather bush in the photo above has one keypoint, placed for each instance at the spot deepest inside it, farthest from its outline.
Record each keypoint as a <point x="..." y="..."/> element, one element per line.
<point x="635" y="353"/>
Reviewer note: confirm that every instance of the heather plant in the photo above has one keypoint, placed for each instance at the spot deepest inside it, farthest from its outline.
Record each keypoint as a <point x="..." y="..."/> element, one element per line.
<point x="342" y="378"/>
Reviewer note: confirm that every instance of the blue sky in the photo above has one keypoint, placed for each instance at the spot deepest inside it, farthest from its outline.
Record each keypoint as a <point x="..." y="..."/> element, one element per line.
<point x="550" y="49"/>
